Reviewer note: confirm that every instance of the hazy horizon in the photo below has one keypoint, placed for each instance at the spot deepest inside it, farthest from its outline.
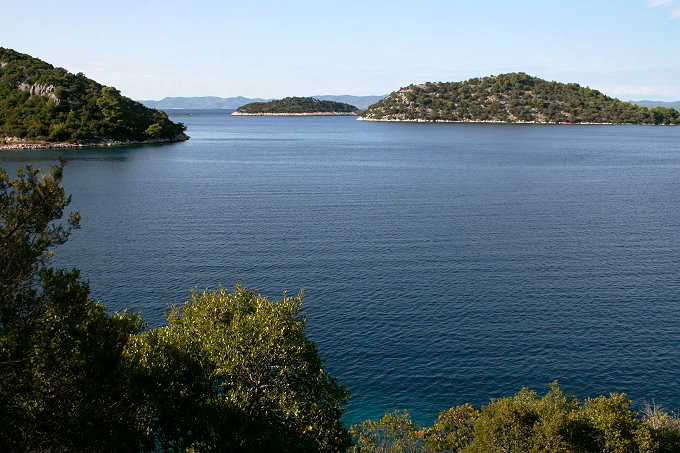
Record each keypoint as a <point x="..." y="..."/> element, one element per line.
<point x="266" y="49"/>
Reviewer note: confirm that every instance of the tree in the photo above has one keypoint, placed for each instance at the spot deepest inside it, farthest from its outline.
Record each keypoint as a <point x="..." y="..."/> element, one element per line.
<point x="395" y="432"/>
<point x="233" y="371"/>
<point x="30" y="207"/>
<point x="664" y="115"/>
<point x="62" y="381"/>
<point x="453" y="430"/>
<point x="617" y="426"/>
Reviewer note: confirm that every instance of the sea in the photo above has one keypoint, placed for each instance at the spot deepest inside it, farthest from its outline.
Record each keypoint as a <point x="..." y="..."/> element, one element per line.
<point x="441" y="263"/>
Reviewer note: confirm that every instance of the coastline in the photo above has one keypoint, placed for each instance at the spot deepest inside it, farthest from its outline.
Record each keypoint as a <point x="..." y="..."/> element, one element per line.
<point x="420" y="120"/>
<point x="237" y="113"/>
<point x="13" y="143"/>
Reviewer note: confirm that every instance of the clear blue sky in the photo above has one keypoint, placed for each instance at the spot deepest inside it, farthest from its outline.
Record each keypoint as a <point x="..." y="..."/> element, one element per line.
<point x="155" y="48"/>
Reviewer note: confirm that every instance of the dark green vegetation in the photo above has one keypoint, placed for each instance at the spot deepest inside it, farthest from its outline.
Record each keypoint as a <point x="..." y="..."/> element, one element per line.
<point x="230" y="371"/>
<point x="297" y="105"/>
<point x="39" y="102"/>
<point x="554" y="423"/>
<point x="515" y="97"/>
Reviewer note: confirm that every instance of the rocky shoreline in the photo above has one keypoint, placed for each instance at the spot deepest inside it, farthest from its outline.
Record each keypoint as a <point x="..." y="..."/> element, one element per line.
<point x="14" y="143"/>
<point x="237" y="113"/>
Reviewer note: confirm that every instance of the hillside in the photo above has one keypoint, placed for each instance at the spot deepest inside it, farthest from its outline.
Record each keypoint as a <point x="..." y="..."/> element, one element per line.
<point x="41" y="103"/>
<point x="512" y="98"/>
<point x="297" y="106"/>
<point x="361" y="102"/>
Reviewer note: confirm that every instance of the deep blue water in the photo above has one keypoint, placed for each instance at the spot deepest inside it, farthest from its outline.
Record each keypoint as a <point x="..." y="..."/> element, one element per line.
<point x="443" y="263"/>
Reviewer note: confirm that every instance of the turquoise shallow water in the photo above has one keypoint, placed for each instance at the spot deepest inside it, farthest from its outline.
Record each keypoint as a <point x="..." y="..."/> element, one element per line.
<point x="443" y="263"/>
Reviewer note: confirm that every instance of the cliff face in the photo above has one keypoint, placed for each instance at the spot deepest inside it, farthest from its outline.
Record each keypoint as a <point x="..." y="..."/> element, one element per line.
<point x="511" y="98"/>
<point x="36" y="89"/>
<point x="40" y="103"/>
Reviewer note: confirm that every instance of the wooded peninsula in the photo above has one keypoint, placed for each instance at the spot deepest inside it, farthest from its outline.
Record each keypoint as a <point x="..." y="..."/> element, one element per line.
<point x="42" y="106"/>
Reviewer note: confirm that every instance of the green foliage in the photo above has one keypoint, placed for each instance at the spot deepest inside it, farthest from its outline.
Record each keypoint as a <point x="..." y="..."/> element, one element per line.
<point x="515" y="97"/>
<point x="526" y="423"/>
<point x="67" y="107"/>
<point x="618" y="429"/>
<point x="29" y="206"/>
<point x="63" y="385"/>
<point x="298" y="105"/>
<point x="556" y="422"/>
<point x="664" y="115"/>
<point x="665" y="429"/>
<point x="395" y="432"/>
<point x="453" y="430"/>
<point x="234" y="371"/>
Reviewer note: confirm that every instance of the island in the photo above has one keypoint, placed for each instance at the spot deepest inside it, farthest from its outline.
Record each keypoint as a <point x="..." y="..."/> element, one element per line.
<point x="512" y="98"/>
<point x="297" y="106"/>
<point x="42" y="106"/>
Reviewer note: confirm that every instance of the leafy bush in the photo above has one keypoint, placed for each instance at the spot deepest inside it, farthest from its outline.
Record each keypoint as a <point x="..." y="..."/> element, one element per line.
<point x="235" y="371"/>
<point x="525" y="422"/>
<point x="395" y="432"/>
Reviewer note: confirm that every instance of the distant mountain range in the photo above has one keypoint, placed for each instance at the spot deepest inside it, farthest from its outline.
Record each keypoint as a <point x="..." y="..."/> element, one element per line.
<point x="213" y="102"/>
<point x="651" y="104"/>
<point x="361" y="102"/>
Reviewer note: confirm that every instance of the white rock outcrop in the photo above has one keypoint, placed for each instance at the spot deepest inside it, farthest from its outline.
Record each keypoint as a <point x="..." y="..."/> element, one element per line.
<point x="36" y="89"/>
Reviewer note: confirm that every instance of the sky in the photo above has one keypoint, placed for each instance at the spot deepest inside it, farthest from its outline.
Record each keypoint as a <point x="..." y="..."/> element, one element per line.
<point x="150" y="49"/>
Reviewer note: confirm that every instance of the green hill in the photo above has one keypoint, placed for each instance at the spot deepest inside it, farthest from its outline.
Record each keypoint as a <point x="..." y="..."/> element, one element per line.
<point x="512" y="98"/>
<point x="297" y="106"/>
<point x="41" y="103"/>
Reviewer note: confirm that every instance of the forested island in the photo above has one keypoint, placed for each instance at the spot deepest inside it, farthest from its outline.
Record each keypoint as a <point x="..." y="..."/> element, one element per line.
<point x="512" y="98"/>
<point x="297" y="106"/>
<point x="42" y="106"/>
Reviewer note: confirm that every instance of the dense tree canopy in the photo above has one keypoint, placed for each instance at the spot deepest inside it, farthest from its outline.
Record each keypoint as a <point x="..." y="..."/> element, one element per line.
<point x="515" y="97"/>
<point x="234" y="370"/>
<point x="297" y="105"/>
<point x="42" y="103"/>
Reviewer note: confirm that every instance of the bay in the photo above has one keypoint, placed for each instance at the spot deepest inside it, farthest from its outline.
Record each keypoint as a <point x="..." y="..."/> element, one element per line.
<point x="442" y="263"/>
